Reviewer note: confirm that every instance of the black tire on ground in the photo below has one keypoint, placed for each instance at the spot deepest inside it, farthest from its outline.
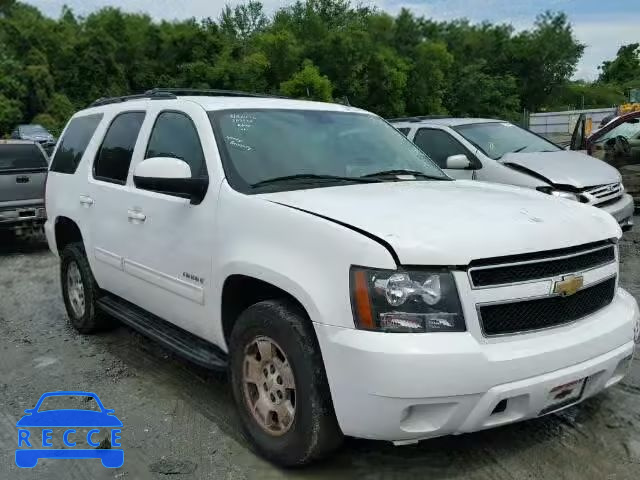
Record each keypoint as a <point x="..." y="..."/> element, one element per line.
<point x="314" y="432"/>
<point x="93" y="319"/>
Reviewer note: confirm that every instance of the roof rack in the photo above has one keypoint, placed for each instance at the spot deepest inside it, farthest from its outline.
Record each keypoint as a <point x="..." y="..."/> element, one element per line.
<point x="172" y="94"/>
<point x="417" y="118"/>
<point x="199" y="92"/>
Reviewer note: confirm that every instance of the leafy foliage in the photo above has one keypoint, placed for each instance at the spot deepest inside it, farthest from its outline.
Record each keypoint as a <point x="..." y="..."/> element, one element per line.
<point x="319" y="49"/>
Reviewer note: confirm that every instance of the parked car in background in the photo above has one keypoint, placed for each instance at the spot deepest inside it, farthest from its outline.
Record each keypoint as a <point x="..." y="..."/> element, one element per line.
<point x="23" y="173"/>
<point x="36" y="133"/>
<point x="346" y="283"/>
<point x="501" y="152"/>
<point x="618" y="144"/>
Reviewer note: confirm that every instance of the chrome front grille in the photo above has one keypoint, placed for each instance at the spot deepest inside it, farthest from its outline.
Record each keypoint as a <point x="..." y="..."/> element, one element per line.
<point x="603" y="193"/>
<point x="529" y="292"/>
<point x="539" y="266"/>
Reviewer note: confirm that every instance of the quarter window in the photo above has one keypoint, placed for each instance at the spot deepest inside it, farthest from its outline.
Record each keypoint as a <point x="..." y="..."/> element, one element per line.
<point x="439" y="145"/>
<point x="174" y="135"/>
<point x="74" y="143"/>
<point x="114" y="157"/>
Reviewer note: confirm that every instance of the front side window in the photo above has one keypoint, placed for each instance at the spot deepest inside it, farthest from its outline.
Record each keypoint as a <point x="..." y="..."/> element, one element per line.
<point x="74" y="143"/>
<point x="496" y="139"/>
<point x="327" y="147"/>
<point x="21" y="157"/>
<point x="439" y="145"/>
<point x="114" y="156"/>
<point x="174" y="135"/>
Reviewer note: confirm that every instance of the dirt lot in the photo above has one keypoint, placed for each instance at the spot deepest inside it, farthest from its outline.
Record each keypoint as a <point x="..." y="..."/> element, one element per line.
<point x="179" y="420"/>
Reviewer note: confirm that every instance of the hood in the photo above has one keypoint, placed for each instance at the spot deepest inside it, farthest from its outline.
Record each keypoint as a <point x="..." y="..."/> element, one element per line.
<point x="565" y="168"/>
<point x="453" y="223"/>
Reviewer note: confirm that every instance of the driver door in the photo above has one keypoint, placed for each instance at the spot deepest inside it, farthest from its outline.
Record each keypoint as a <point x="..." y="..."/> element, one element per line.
<point x="440" y="145"/>
<point x="620" y="147"/>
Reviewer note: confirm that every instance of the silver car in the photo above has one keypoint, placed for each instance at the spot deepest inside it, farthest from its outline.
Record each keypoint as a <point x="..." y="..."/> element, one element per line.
<point x="501" y="152"/>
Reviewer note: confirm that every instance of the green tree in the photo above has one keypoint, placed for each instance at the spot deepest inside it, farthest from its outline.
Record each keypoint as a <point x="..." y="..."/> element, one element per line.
<point x="623" y="68"/>
<point x="544" y="58"/>
<point x="10" y="114"/>
<point x="427" y="82"/>
<point x="308" y="83"/>
<point x="479" y="94"/>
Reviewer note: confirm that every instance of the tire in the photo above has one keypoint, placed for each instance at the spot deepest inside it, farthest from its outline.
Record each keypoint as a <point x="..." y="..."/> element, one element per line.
<point x="89" y="319"/>
<point x="314" y="431"/>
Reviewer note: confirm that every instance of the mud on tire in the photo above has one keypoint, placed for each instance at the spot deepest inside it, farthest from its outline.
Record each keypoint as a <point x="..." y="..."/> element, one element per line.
<point x="314" y="430"/>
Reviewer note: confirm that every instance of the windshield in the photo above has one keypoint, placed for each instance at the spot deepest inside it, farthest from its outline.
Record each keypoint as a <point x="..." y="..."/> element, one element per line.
<point x="260" y="145"/>
<point x="496" y="139"/>
<point x="21" y="156"/>
<point x="34" y="130"/>
<point x="629" y="129"/>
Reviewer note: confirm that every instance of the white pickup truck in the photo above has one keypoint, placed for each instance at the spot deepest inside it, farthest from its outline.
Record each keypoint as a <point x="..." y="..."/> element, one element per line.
<point x="348" y="285"/>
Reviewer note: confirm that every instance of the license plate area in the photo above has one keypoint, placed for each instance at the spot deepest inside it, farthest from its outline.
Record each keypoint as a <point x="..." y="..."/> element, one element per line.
<point x="26" y="213"/>
<point x="564" y="395"/>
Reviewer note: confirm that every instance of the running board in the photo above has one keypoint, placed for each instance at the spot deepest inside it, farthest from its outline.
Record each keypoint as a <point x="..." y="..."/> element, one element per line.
<point x="185" y="344"/>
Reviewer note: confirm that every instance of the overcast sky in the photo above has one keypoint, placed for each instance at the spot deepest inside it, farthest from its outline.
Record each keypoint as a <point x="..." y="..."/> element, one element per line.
<point x="603" y="25"/>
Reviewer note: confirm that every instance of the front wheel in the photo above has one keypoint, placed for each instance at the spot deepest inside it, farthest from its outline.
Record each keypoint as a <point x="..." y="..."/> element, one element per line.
<point x="280" y="385"/>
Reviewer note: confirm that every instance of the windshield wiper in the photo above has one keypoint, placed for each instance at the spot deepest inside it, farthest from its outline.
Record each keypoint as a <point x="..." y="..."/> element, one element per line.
<point x="312" y="177"/>
<point x="415" y="173"/>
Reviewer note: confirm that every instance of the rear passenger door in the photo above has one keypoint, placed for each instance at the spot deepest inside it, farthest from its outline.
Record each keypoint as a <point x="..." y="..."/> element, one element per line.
<point x="107" y="200"/>
<point x="169" y="240"/>
<point x="440" y="145"/>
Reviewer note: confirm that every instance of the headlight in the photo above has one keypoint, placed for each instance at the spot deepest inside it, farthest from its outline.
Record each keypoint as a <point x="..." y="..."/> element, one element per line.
<point x="558" y="193"/>
<point x="567" y="195"/>
<point x="405" y="301"/>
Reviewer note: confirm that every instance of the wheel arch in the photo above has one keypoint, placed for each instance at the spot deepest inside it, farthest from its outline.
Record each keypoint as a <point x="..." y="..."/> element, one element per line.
<point x="66" y="232"/>
<point x="241" y="290"/>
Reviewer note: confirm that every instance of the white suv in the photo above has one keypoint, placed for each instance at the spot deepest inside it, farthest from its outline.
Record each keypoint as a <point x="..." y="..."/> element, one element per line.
<point x="349" y="286"/>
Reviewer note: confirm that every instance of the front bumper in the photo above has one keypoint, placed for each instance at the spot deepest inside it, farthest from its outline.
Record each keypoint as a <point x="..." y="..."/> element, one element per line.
<point x="622" y="211"/>
<point x="407" y="387"/>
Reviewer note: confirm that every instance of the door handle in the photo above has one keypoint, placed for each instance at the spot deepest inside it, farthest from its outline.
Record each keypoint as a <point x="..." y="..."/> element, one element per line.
<point x="86" y="201"/>
<point x="23" y="179"/>
<point x="136" y="217"/>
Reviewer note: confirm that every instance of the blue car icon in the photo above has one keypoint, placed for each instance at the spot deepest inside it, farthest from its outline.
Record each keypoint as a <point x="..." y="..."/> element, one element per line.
<point x="69" y="419"/>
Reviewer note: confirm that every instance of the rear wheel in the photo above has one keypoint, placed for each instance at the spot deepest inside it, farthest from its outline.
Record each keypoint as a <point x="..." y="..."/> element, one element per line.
<point x="280" y="385"/>
<point x="80" y="291"/>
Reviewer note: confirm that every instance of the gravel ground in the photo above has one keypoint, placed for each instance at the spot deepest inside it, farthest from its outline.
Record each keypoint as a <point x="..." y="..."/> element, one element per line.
<point x="179" y="420"/>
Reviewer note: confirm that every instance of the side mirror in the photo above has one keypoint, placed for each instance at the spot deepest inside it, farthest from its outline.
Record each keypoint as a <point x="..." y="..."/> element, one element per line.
<point x="458" y="162"/>
<point x="170" y="176"/>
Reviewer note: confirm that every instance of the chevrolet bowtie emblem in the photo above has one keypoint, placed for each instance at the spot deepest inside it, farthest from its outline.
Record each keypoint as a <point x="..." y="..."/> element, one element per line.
<point x="569" y="285"/>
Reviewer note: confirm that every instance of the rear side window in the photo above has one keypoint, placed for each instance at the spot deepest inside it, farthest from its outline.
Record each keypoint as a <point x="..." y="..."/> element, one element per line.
<point x="114" y="156"/>
<point x="74" y="143"/>
<point x="174" y="135"/>
<point x="21" y="157"/>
